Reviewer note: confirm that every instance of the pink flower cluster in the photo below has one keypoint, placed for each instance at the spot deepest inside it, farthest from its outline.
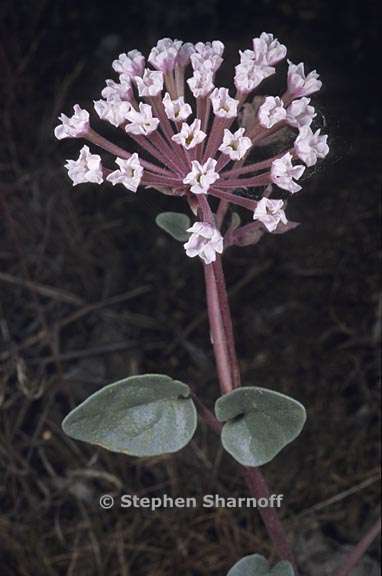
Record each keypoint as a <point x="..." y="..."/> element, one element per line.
<point x="205" y="156"/>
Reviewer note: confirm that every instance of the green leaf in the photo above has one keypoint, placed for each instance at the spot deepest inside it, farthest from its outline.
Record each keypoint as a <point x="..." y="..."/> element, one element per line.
<point x="259" y="423"/>
<point x="144" y="415"/>
<point x="257" y="565"/>
<point x="174" y="224"/>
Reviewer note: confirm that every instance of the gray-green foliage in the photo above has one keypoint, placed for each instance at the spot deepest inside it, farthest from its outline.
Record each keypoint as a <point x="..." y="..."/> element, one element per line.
<point x="175" y="224"/>
<point x="257" y="565"/>
<point x="144" y="415"/>
<point x="258" y="423"/>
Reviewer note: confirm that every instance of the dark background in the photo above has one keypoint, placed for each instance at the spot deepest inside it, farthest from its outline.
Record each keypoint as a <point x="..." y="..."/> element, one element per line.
<point x="92" y="290"/>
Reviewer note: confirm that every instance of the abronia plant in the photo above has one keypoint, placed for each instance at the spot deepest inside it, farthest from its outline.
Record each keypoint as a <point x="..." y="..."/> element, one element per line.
<point x="191" y="138"/>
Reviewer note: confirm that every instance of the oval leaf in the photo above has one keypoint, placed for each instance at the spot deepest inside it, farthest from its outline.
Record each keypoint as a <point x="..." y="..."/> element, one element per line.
<point x="175" y="224"/>
<point x="259" y="423"/>
<point x="257" y="565"/>
<point x="144" y="415"/>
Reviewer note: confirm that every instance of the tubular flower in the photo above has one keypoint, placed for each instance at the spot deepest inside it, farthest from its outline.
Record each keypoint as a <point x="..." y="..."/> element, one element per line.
<point x="300" y="85"/>
<point x="87" y="168"/>
<point x="141" y="122"/>
<point x="284" y="174"/>
<point x="129" y="173"/>
<point x="131" y="64"/>
<point x="74" y="127"/>
<point x="208" y="54"/>
<point x="270" y="213"/>
<point x="271" y="112"/>
<point x="201" y="176"/>
<point x="114" y="112"/>
<point x="118" y="91"/>
<point x="202" y="82"/>
<point x="268" y="49"/>
<point x="212" y="155"/>
<point x="223" y="105"/>
<point x="310" y="146"/>
<point x="205" y="241"/>
<point x="190" y="135"/>
<point x="299" y="113"/>
<point x="235" y="144"/>
<point x="176" y="110"/>
<point x="151" y="83"/>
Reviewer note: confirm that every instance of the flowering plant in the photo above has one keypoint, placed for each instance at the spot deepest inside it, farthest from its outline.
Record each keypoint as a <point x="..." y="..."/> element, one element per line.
<point x="189" y="146"/>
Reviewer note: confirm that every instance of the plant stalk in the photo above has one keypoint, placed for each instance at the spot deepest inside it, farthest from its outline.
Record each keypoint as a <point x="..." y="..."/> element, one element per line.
<point x="228" y="371"/>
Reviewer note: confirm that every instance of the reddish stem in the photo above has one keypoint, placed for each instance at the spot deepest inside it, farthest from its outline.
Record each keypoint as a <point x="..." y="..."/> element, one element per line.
<point x="358" y="551"/>
<point x="218" y="336"/>
<point x="224" y="347"/>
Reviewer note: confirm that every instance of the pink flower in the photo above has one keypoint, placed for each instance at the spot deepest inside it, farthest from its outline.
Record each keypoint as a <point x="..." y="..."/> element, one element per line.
<point x="299" y="84"/>
<point x="235" y="145"/>
<point x="249" y="74"/>
<point x="270" y="213"/>
<point x="205" y="241"/>
<point x="310" y="146"/>
<point x="223" y="105"/>
<point x="271" y="112"/>
<point x="151" y="83"/>
<point x="118" y="91"/>
<point x="190" y="135"/>
<point x="202" y="176"/>
<point x="87" y="168"/>
<point x="299" y="113"/>
<point x="184" y="54"/>
<point x="176" y="110"/>
<point x="74" y="127"/>
<point x="141" y="122"/>
<point x="129" y="174"/>
<point x="207" y="54"/>
<point x="222" y="143"/>
<point x="131" y="64"/>
<point x="201" y="83"/>
<point x="268" y="49"/>
<point x="283" y="173"/>
<point x="113" y="111"/>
